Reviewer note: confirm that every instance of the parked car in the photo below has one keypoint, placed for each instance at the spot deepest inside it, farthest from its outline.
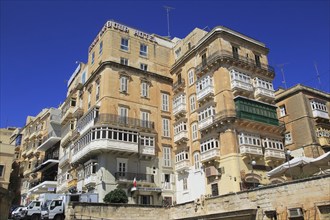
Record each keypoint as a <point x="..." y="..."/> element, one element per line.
<point x="18" y="213"/>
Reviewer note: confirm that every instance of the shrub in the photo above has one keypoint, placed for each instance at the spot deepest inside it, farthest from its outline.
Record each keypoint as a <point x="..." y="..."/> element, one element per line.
<point x="116" y="196"/>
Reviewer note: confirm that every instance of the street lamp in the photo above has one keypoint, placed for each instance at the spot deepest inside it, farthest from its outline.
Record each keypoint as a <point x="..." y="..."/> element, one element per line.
<point x="253" y="163"/>
<point x="288" y="155"/>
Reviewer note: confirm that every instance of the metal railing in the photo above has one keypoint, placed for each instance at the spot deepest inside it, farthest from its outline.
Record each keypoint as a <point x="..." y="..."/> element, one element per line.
<point x="178" y="84"/>
<point x="123" y="121"/>
<point x="140" y="177"/>
<point x="235" y="57"/>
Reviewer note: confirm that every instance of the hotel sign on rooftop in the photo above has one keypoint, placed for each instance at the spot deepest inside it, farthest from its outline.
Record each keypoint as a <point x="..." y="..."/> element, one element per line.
<point x="120" y="27"/>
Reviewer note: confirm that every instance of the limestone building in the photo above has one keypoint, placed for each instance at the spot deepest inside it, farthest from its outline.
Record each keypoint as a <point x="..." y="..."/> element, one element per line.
<point x="182" y="118"/>
<point x="39" y="154"/>
<point x="225" y="123"/>
<point x="116" y="120"/>
<point x="305" y="113"/>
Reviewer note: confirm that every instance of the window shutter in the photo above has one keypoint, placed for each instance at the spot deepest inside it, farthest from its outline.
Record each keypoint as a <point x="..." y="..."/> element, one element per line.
<point x="162" y="177"/>
<point x="172" y="178"/>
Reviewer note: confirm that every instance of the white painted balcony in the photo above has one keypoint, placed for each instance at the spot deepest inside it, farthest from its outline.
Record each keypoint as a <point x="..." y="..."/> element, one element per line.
<point x="264" y="94"/>
<point x="205" y="123"/>
<point x="250" y="149"/>
<point x="182" y="165"/>
<point x="62" y="187"/>
<point x="320" y="114"/>
<point x="90" y="181"/>
<point x="238" y="85"/>
<point x="181" y="136"/>
<point x="64" y="160"/>
<point x="67" y="114"/>
<point x="87" y="121"/>
<point x="44" y="187"/>
<point x="147" y="150"/>
<point x="49" y="140"/>
<point x="180" y="109"/>
<point x="212" y="154"/>
<point x="103" y="145"/>
<point x="206" y="92"/>
<point x="80" y="185"/>
<point x="273" y="153"/>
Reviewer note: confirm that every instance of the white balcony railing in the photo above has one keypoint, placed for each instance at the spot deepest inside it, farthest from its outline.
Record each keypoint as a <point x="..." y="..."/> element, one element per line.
<point x="237" y="84"/>
<point x="182" y="165"/>
<point x="182" y="135"/>
<point x="250" y="149"/>
<point x="259" y="91"/>
<point x="320" y="114"/>
<point x="206" y="122"/>
<point x="147" y="150"/>
<point x="274" y="153"/>
<point x="212" y="154"/>
<point x="167" y="186"/>
<point x="90" y="180"/>
<point x="182" y="107"/>
<point x="208" y="90"/>
<point x="103" y="145"/>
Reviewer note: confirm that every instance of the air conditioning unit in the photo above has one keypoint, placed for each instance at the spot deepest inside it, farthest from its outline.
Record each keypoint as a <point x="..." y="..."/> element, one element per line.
<point x="296" y="212"/>
<point x="211" y="171"/>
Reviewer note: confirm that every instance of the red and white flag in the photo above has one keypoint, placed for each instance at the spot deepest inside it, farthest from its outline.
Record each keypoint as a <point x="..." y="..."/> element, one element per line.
<point x="134" y="182"/>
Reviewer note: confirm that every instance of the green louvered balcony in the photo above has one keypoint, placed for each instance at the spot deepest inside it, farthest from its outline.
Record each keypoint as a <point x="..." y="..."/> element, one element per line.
<point x="256" y="111"/>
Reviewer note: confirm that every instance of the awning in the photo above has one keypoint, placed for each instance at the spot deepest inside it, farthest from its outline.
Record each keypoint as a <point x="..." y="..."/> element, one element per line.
<point x="45" y="165"/>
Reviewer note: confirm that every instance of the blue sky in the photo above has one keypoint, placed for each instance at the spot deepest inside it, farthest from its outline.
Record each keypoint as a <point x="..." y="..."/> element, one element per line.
<point x="41" y="40"/>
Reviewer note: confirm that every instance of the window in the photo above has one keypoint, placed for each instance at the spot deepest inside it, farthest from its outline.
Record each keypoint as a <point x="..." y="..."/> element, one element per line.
<point x="165" y="102"/>
<point x="166" y="156"/>
<point x="97" y="90"/>
<point x="145" y="200"/>
<point x="180" y="127"/>
<point x="89" y="98"/>
<point x="144" y="67"/>
<point x="145" y="89"/>
<point x="282" y="111"/>
<point x="192" y="101"/>
<point x="178" y="52"/>
<point x="93" y="57"/>
<point x="145" y="118"/>
<point x="257" y="58"/>
<point x="101" y="47"/>
<point x="121" y="166"/>
<point x="288" y="138"/>
<point x="2" y="170"/>
<point x="204" y="83"/>
<point x="235" y="52"/>
<point x="189" y="45"/>
<point x="166" y="127"/>
<point x="194" y="131"/>
<point x="191" y="77"/>
<point x="167" y="181"/>
<point x="214" y="189"/>
<point x="183" y="155"/>
<point x="317" y="105"/>
<point x="185" y="183"/>
<point x="83" y="78"/>
<point x="123" y="113"/>
<point x="206" y="114"/>
<point x="143" y="50"/>
<point x="124" y="44"/>
<point x="204" y="59"/>
<point x="209" y="145"/>
<point x="124" y="84"/>
<point x="197" y="162"/>
<point x="124" y="61"/>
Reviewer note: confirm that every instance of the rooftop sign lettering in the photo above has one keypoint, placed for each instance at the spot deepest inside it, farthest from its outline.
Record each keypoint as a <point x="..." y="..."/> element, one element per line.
<point x="123" y="28"/>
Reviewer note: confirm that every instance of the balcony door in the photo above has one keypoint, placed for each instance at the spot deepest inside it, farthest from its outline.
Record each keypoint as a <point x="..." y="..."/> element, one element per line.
<point x="122" y="168"/>
<point x="123" y="115"/>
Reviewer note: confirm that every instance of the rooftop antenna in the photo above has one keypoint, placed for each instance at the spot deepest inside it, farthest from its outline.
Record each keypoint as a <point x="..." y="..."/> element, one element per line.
<point x="168" y="9"/>
<point x="282" y="71"/>
<point x="317" y="75"/>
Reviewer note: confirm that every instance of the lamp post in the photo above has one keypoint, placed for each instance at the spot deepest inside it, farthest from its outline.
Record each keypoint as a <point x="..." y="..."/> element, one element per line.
<point x="288" y="155"/>
<point x="253" y="163"/>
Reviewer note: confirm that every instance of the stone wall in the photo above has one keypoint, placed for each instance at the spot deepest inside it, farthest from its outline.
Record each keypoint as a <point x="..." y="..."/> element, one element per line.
<point x="311" y="195"/>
